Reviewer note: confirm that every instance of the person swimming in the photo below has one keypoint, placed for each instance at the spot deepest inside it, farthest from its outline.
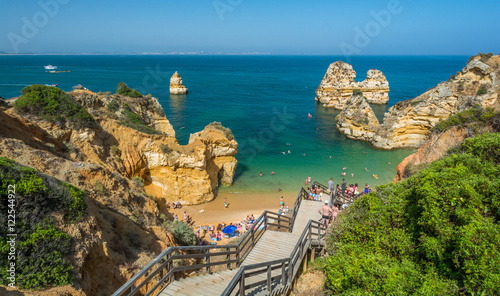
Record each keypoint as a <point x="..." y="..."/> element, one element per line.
<point x="261" y="174"/>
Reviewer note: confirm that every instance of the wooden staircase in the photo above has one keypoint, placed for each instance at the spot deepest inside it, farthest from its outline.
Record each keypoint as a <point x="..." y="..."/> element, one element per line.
<point x="267" y="259"/>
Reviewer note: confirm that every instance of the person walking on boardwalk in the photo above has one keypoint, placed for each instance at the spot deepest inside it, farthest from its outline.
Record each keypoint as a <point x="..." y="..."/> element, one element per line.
<point x="330" y="185"/>
<point x="326" y="212"/>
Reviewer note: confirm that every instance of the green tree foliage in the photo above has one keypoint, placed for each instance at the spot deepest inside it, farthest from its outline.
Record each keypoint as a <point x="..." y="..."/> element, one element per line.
<point x="124" y="90"/>
<point x="435" y="233"/>
<point x="52" y="104"/>
<point x="42" y="250"/>
<point x="183" y="234"/>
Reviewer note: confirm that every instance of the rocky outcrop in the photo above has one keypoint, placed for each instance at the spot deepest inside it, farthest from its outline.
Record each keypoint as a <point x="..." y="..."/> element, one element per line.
<point x="408" y="123"/>
<point x="176" y="86"/>
<point x="434" y="148"/>
<point x="357" y="119"/>
<point x="191" y="174"/>
<point x="338" y="85"/>
<point x="130" y="137"/>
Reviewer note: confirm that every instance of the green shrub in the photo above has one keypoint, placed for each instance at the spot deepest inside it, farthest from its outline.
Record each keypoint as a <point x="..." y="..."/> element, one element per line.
<point x="113" y="106"/>
<point x="138" y="181"/>
<point x="476" y="115"/>
<point x="435" y="233"/>
<point x="100" y="188"/>
<point x="42" y="249"/>
<point x="227" y="132"/>
<point x="357" y="92"/>
<point x="52" y="104"/>
<point x="124" y="90"/>
<point x="183" y="234"/>
<point x="482" y="90"/>
<point x="114" y="150"/>
<point x="132" y="120"/>
<point x="42" y="261"/>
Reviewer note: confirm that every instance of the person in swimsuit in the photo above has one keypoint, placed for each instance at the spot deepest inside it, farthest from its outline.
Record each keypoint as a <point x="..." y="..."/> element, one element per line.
<point x="326" y="212"/>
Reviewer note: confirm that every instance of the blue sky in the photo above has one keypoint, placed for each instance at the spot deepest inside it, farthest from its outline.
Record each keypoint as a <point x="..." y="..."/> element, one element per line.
<point x="388" y="27"/>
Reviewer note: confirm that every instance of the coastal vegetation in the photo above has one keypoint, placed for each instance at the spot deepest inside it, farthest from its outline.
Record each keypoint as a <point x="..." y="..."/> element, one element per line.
<point x="132" y="120"/>
<point x="182" y="232"/>
<point x="435" y="233"/>
<point x="124" y="90"/>
<point x="475" y="118"/>
<point x="42" y="248"/>
<point x="227" y="132"/>
<point x="53" y="105"/>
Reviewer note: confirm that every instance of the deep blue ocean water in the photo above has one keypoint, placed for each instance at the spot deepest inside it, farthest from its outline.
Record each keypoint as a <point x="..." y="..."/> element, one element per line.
<point x="264" y="100"/>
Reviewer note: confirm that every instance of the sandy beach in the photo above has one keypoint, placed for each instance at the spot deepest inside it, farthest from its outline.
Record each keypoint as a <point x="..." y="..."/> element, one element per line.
<point x="239" y="206"/>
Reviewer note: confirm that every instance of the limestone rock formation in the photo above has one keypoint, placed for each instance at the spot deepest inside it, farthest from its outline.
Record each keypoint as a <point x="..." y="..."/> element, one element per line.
<point x="338" y="85"/>
<point x="357" y="119"/>
<point x="176" y="86"/>
<point x="408" y="123"/>
<point x="129" y="137"/>
<point x="191" y="174"/>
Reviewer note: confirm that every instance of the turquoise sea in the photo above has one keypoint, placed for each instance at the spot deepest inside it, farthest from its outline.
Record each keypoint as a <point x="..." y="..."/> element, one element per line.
<point x="264" y="100"/>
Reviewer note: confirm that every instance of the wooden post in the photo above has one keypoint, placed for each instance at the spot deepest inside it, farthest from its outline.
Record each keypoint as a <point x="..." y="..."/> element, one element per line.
<point x="269" y="279"/>
<point x="313" y="254"/>
<point x="228" y="258"/>
<point x="283" y="274"/>
<point x="304" y="266"/>
<point x="208" y="261"/>
<point x="237" y="257"/>
<point x="169" y="268"/>
<point x="242" y="284"/>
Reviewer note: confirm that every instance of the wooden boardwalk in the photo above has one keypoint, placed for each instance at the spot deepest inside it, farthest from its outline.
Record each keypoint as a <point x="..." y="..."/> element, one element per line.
<point x="272" y="245"/>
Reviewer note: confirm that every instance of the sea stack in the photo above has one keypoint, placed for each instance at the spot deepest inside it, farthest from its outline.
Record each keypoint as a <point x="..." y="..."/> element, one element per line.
<point x="338" y="85"/>
<point x="176" y="86"/>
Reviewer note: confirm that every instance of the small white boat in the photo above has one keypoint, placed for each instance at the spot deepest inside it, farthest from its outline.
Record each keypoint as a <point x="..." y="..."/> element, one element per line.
<point x="50" y="67"/>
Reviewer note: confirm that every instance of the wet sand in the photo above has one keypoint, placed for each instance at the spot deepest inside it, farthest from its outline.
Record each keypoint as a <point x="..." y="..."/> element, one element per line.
<point x="239" y="206"/>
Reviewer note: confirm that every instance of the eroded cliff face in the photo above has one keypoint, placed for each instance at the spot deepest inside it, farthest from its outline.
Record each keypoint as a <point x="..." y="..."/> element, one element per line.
<point x="408" y="123"/>
<point x="338" y="85"/>
<point x="121" y="231"/>
<point x="357" y="120"/>
<point x="172" y="172"/>
<point x="191" y="174"/>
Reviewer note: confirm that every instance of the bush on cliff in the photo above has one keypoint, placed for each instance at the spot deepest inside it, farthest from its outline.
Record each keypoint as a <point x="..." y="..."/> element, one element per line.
<point x="475" y="117"/>
<point x="124" y="90"/>
<point x="183" y="234"/>
<point x="132" y="120"/>
<point x="53" y="104"/>
<point x="227" y="132"/>
<point x="435" y="233"/>
<point x="42" y="249"/>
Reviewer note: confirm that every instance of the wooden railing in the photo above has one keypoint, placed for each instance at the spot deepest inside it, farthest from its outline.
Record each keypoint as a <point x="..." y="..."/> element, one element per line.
<point x="285" y="269"/>
<point x="162" y="270"/>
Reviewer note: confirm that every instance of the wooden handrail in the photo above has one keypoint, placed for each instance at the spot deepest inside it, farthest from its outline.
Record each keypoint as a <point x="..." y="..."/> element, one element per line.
<point x="290" y="262"/>
<point x="242" y="249"/>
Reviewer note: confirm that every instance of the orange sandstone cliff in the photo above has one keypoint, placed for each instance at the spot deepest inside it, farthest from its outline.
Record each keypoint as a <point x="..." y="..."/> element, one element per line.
<point x="121" y="230"/>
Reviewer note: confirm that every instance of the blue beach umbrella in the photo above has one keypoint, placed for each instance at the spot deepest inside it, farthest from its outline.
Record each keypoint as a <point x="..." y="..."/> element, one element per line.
<point x="229" y="229"/>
